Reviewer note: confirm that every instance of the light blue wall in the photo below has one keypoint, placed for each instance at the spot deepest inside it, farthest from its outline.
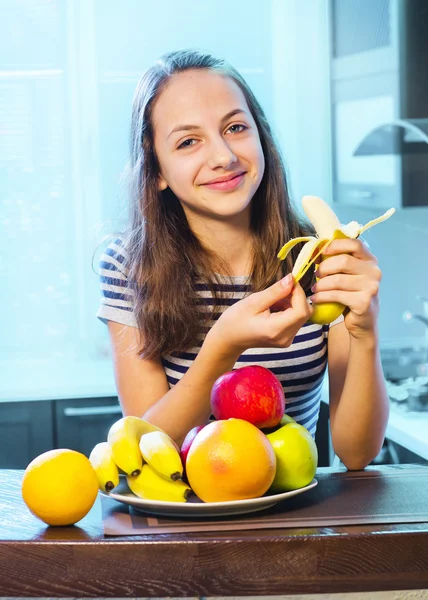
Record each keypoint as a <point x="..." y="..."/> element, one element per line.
<point x="69" y="69"/>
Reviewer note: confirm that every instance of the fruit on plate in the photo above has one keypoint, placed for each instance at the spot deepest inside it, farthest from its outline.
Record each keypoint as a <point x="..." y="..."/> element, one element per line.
<point x="251" y="393"/>
<point x="149" y="485"/>
<point x="162" y="454"/>
<point x="60" y="486"/>
<point x="328" y="228"/>
<point x="284" y="420"/>
<point x="187" y="442"/>
<point x="101" y="459"/>
<point x="124" y="438"/>
<point x="296" y="457"/>
<point x="230" y="459"/>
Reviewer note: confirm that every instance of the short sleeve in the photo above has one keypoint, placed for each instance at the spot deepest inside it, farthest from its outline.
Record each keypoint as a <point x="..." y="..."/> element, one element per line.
<point x="116" y="296"/>
<point x="326" y="328"/>
<point x="337" y="321"/>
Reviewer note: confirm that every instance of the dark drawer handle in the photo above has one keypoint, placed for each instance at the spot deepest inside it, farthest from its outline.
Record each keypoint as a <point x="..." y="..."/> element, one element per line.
<point x="88" y="411"/>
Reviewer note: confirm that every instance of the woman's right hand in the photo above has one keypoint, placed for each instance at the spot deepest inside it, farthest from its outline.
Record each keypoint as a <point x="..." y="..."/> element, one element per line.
<point x="267" y="319"/>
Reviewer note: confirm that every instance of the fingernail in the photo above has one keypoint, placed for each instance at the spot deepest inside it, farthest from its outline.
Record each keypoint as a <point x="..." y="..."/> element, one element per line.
<point x="313" y="287"/>
<point x="285" y="281"/>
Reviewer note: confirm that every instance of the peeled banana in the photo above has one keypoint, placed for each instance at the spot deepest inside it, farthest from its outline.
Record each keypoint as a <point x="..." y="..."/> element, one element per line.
<point x="101" y="459"/>
<point x="124" y="437"/>
<point x="328" y="228"/>
<point x="149" y="485"/>
<point x="161" y="453"/>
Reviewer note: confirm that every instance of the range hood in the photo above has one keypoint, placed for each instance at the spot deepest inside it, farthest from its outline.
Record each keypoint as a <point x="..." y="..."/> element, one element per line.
<point x="399" y="137"/>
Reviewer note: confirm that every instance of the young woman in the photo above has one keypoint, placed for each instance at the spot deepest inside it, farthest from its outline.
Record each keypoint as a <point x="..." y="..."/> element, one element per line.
<point x="194" y="287"/>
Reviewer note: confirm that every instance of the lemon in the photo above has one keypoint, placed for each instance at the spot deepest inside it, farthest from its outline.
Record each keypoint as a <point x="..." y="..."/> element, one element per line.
<point x="60" y="486"/>
<point x="326" y="312"/>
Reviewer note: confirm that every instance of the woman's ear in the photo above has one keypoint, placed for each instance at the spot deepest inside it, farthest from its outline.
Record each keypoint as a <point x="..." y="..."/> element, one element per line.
<point x="162" y="184"/>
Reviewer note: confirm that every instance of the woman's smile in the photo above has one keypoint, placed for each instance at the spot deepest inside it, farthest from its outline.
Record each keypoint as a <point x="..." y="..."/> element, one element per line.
<point x="227" y="183"/>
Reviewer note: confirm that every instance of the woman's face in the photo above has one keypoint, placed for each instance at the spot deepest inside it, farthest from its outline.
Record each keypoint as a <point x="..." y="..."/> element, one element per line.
<point x="207" y="145"/>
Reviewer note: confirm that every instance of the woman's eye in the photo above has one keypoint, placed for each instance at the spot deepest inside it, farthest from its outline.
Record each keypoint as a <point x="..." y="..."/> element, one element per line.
<point x="186" y="143"/>
<point x="237" y="128"/>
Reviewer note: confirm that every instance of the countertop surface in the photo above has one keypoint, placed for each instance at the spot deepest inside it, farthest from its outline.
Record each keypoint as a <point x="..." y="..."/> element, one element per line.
<point x="408" y="430"/>
<point x="41" y="561"/>
<point x="56" y="380"/>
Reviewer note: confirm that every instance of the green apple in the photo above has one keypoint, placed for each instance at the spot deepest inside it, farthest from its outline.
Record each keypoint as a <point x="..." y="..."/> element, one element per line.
<point x="296" y="457"/>
<point x="286" y="419"/>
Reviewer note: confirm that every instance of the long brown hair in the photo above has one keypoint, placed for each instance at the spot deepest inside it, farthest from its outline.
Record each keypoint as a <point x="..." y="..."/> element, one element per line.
<point x="164" y="255"/>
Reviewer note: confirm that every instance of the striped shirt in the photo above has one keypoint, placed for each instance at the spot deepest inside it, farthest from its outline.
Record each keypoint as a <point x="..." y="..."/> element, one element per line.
<point x="300" y="368"/>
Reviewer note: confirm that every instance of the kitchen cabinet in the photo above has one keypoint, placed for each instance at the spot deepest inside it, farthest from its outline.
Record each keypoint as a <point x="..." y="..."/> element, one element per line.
<point x="80" y="424"/>
<point x="26" y="430"/>
<point x="322" y="437"/>
<point x="379" y="114"/>
<point x="29" y="428"/>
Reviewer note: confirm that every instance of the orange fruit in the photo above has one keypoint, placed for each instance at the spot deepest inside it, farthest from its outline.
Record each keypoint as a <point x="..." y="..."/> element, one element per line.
<point x="230" y="459"/>
<point x="60" y="486"/>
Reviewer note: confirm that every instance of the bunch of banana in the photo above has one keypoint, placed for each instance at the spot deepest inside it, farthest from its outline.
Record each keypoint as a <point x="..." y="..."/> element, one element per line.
<point x="101" y="459"/>
<point x="124" y="438"/>
<point x="161" y="453"/>
<point x="328" y="228"/>
<point x="147" y="455"/>
<point x="149" y="485"/>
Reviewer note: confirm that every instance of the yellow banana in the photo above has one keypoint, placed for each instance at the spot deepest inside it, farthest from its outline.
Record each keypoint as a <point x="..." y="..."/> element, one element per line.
<point x="101" y="459"/>
<point x="149" y="485"/>
<point x="162" y="454"/>
<point x="328" y="228"/>
<point x="124" y="436"/>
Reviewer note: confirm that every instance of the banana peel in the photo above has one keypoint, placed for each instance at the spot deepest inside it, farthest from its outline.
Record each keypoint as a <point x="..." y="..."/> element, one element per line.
<point x="328" y="228"/>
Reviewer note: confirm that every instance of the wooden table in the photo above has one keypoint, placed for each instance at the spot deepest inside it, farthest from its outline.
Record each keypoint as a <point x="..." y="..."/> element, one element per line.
<point x="40" y="561"/>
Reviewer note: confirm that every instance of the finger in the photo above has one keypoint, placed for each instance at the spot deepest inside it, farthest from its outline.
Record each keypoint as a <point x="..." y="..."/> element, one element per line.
<point x="357" y="302"/>
<point x="298" y="298"/>
<point x="273" y="294"/>
<point x="349" y="264"/>
<point x="298" y="311"/>
<point x="349" y="246"/>
<point x="340" y="281"/>
<point x="280" y="305"/>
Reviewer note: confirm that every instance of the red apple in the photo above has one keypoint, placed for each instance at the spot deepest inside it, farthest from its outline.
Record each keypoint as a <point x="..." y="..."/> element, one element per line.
<point x="251" y="393"/>
<point x="187" y="442"/>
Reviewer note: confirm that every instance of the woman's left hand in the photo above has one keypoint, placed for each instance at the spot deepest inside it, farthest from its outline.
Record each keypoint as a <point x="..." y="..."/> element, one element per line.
<point x="349" y="274"/>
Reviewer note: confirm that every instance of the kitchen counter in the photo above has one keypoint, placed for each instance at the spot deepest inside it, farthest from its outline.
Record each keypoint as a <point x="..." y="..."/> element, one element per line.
<point x="409" y="431"/>
<point x="41" y="561"/>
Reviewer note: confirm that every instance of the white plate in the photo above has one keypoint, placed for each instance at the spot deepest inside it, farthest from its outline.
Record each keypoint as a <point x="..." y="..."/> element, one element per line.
<point x="203" y="509"/>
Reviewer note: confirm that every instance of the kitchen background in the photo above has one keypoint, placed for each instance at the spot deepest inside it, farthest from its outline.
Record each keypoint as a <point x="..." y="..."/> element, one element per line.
<point x="343" y="84"/>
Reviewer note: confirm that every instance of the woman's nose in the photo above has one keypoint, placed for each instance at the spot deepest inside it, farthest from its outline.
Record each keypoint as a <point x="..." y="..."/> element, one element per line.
<point x="220" y="154"/>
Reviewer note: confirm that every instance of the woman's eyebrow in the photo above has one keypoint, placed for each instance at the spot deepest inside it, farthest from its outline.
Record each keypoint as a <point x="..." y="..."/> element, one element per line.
<point x="230" y="114"/>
